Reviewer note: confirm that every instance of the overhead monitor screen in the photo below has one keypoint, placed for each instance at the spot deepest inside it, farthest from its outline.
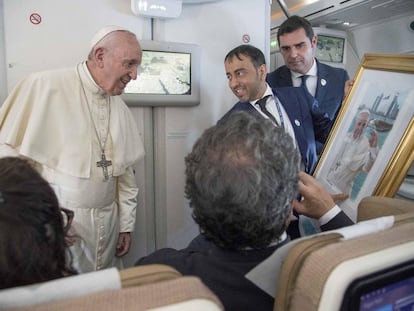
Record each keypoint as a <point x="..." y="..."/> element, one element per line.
<point x="162" y="73"/>
<point x="330" y="49"/>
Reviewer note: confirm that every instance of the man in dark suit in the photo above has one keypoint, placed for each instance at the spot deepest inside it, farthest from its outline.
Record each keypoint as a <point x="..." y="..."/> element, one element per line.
<point x="294" y="109"/>
<point x="242" y="178"/>
<point x="297" y="43"/>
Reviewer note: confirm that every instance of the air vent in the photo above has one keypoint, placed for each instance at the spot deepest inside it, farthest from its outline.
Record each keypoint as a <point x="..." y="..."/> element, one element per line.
<point x="322" y="10"/>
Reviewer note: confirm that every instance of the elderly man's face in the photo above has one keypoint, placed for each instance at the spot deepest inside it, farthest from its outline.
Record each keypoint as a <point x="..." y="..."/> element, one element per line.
<point x="360" y="124"/>
<point x="121" y="65"/>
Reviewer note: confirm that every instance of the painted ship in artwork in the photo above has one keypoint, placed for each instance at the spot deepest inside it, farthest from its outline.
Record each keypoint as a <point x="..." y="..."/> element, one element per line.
<point x="380" y="125"/>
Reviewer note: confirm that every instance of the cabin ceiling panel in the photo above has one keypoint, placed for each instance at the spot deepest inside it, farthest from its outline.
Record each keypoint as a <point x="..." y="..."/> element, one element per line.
<point x="335" y="13"/>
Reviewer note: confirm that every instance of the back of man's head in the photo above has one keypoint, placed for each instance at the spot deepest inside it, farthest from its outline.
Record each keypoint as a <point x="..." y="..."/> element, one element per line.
<point x="241" y="177"/>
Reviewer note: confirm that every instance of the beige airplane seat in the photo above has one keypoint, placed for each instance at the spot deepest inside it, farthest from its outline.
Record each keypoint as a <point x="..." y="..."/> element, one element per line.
<point x="149" y="287"/>
<point x="317" y="272"/>
<point x="329" y="270"/>
<point x="376" y="206"/>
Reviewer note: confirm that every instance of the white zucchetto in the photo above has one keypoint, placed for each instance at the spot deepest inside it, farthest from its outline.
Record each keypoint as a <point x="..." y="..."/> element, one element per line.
<point x="104" y="32"/>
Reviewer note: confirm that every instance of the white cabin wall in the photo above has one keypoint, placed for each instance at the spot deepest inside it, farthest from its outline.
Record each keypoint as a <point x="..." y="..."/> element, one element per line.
<point x="3" y="79"/>
<point x="62" y="40"/>
<point x="216" y="36"/>
<point x="390" y="36"/>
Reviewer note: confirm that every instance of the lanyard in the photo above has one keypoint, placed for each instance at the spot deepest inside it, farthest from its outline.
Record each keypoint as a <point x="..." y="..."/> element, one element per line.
<point x="279" y="110"/>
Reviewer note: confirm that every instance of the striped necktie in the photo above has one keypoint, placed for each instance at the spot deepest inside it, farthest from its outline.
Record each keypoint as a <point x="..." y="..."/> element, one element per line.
<point x="262" y="104"/>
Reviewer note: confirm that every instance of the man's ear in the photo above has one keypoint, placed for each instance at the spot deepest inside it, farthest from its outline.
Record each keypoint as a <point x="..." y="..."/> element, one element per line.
<point x="263" y="71"/>
<point x="314" y="41"/>
<point x="287" y="222"/>
<point x="98" y="55"/>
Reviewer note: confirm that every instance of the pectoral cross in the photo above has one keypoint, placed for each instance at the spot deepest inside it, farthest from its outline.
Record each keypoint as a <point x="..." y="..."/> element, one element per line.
<point x="104" y="164"/>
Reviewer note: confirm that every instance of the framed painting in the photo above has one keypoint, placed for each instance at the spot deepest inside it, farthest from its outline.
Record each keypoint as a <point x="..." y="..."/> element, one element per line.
<point x="371" y="145"/>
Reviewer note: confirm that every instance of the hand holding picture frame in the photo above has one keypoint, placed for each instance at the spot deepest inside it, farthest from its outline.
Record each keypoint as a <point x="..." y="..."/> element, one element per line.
<point x="371" y="145"/>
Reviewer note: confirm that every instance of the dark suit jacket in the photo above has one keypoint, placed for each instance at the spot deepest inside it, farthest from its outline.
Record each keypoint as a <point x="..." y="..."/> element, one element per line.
<point x="328" y="94"/>
<point x="223" y="271"/>
<point x="308" y="122"/>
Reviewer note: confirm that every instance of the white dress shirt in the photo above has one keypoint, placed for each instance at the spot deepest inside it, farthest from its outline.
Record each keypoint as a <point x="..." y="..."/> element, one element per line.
<point x="272" y="108"/>
<point x="312" y="80"/>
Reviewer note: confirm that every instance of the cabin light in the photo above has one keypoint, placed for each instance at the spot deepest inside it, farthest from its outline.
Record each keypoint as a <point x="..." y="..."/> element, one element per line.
<point x="347" y="23"/>
<point x="142" y="5"/>
<point x="157" y="8"/>
<point x="273" y="44"/>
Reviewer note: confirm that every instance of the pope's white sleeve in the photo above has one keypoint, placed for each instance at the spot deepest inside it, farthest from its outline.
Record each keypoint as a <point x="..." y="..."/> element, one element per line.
<point x="127" y="200"/>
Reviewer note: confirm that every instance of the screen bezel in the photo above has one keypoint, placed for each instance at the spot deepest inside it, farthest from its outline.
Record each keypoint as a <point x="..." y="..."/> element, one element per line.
<point x="173" y="100"/>
<point x="375" y="281"/>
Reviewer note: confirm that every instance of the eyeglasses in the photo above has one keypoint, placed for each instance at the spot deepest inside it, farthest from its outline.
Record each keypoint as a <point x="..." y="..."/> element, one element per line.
<point x="67" y="217"/>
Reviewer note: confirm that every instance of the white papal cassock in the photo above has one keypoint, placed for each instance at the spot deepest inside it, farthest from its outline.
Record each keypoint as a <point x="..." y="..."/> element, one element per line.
<point x="48" y="119"/>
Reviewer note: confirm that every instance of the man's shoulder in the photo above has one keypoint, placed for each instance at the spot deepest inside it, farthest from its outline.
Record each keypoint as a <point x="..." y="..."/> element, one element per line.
<point x="162" y="255"/>
<point x="178" y="259"/>
<point x="241" y="106"/>
<point x="279" y="77"/>
<point x="51" y="77"/>
<point x="280" y="70"/>
<point x="330" y="69"/>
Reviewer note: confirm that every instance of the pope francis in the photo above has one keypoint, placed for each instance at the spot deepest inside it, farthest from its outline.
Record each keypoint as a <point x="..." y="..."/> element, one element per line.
<point x="82" y="137"/>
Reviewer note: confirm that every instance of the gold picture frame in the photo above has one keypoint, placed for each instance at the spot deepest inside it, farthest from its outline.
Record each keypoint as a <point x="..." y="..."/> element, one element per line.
<point x="383" y="92"/>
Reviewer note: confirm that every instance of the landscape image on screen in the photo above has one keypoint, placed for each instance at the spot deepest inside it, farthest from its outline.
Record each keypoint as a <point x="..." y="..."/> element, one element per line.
<point x="330" y="49"/>
<point x="162" y="73"/>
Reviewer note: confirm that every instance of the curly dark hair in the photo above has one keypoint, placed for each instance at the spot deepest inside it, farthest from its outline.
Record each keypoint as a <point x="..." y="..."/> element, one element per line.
<point x="241" y="177"/>
<point x="32" y="241"/>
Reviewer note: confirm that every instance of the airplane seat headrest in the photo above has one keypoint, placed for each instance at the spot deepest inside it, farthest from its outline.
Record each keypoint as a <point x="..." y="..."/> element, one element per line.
<point x="375" y="206"/>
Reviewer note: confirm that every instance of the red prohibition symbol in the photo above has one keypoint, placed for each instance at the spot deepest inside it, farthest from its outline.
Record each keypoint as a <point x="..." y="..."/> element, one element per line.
<point x="35" y="18"/>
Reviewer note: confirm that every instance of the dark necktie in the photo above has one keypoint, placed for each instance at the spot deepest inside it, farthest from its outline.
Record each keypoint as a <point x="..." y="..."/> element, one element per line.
<point x="262" y="104"/>
<point x="304" y="78"/>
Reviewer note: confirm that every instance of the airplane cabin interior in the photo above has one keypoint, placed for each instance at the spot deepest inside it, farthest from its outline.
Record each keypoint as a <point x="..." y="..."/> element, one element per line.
<point x="368" y="266"/>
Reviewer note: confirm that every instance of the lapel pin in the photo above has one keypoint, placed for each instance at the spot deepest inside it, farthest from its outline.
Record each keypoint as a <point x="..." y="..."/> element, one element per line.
<point x="297" y="122"/>
<point x="323" y="82"/>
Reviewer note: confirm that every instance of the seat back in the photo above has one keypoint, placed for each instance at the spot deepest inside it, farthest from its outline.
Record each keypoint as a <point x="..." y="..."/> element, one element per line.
<point x="84" y="284"/>
<point x="183" y="293"/>
<point x="317" y="272"/>
<point x="147" y="274"/>
<point x="375" y="206"/>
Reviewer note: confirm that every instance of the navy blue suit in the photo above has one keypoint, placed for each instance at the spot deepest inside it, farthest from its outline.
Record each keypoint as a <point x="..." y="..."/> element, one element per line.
<point x="308" y="122"/>
<point x="224" y="270"/>
<point x="329" y="94"/>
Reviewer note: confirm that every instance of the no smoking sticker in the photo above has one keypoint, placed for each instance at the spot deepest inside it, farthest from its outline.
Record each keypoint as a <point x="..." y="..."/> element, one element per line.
<point x="35" y="19"/>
